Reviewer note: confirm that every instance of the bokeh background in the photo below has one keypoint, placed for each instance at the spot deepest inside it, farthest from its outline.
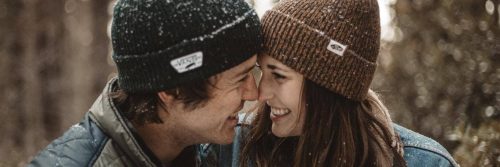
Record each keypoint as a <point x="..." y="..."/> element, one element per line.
<point x="439" y="71"/>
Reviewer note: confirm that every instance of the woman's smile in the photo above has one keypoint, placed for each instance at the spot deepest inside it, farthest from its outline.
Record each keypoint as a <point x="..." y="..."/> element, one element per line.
<point x="277" y="113"/>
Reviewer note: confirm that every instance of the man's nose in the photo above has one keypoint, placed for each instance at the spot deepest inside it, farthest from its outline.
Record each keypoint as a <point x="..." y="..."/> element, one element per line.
<point x="250" y="91"/>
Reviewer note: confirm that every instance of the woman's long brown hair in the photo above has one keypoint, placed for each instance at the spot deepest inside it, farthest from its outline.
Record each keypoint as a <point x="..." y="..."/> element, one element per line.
<point x="337" y="132"/>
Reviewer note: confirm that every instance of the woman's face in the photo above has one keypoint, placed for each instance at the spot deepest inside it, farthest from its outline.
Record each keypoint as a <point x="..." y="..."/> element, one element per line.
<point x="280" y="88"/>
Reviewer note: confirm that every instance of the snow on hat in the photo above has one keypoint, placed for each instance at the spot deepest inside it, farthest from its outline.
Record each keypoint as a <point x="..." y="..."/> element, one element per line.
<point x="159" y="44"/>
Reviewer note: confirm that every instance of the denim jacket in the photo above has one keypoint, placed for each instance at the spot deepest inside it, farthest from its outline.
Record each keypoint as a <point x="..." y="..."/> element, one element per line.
<point x="419" y="150"/>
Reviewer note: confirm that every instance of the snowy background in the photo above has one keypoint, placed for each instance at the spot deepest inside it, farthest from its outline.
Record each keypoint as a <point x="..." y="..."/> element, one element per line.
<point x="439" y="71"/>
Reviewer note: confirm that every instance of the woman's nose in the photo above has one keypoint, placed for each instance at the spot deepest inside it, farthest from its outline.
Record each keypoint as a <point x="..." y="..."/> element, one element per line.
<point x="265" y="92"/>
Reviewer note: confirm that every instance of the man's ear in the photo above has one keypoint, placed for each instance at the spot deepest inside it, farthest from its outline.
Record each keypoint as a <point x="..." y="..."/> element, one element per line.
<point x="166" y="98"/>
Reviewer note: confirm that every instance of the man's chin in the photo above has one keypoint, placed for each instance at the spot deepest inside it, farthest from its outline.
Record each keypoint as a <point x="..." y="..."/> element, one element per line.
<point x="228" y="139"/>
<point x="227" y="142"/>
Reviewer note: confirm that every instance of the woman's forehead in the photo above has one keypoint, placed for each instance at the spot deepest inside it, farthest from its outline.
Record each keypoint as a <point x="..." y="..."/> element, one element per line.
<point x="271" y="63"/>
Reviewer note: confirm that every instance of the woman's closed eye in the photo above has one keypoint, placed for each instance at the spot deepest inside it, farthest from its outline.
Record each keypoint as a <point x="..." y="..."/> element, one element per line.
<point x="278" y="76"/>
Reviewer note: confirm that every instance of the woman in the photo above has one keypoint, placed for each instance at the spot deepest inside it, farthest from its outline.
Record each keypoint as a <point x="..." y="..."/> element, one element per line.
<point x="318" y="63"/>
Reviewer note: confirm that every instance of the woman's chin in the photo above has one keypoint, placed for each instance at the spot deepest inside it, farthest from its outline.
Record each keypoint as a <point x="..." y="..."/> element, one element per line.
<point x="279" y="132"/>
<point x="284" y="132"/>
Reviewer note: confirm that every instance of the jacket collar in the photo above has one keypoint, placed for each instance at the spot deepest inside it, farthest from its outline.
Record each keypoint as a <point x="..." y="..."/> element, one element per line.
<point x="120" y="130"/>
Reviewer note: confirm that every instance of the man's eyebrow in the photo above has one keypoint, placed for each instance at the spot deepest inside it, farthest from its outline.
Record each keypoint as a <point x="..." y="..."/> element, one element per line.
<point x="248" y="69"/>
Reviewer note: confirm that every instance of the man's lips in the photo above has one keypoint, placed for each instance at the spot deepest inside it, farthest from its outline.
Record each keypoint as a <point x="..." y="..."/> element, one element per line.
<point x="234" y="116"/>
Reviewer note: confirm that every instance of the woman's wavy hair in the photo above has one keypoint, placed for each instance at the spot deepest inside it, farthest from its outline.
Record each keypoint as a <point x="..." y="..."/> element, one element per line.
<point x="337" y="132"/>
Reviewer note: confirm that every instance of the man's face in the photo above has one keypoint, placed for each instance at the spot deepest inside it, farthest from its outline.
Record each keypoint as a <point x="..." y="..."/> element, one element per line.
<point x="214" y="122"/>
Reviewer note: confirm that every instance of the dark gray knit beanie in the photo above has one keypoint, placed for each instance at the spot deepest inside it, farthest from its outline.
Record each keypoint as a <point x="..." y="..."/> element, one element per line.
<point x="159" y="44"/>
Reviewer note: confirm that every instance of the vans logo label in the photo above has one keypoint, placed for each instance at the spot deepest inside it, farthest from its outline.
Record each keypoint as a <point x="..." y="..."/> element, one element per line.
<point x="336" y="47"/>
<point x="188" y="62"/>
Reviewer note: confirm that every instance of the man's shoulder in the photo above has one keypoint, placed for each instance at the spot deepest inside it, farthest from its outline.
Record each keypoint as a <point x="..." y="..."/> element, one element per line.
<point x="420" y="150"/>
<point x="78" y="146"/>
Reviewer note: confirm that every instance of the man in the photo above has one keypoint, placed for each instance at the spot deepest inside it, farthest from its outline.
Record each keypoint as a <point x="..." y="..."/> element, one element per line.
<point x="183" y="74"/>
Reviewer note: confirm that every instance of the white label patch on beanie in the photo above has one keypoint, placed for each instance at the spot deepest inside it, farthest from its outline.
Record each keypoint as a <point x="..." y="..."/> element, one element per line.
<point x="336" y="47"/>
<point x="188" y="62"/>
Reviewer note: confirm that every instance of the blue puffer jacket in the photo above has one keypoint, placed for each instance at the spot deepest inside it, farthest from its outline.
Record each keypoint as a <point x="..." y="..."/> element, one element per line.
<point x="102" y="138"/>
<point x="419" y="151"/>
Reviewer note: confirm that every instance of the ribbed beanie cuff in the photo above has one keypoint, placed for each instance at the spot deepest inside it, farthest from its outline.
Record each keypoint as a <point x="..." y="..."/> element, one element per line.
<point x="305" y="49"/>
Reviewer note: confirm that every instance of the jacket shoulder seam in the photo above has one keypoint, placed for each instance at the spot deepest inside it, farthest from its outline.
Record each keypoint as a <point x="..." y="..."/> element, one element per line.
<point x="98" y="152"/>
<point x="432" y="151"/>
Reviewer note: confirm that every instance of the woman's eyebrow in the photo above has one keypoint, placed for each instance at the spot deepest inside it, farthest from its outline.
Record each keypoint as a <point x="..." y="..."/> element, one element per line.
<point x="272" y="67"/>
<point x="277" y="68"/>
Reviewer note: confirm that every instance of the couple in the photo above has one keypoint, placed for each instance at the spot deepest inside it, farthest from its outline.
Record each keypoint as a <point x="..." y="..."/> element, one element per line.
<point x="184" y="73"/>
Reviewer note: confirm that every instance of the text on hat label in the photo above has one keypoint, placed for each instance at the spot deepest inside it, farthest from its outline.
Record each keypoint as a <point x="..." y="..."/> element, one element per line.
<point x="188" y="62"/>
<point x="336" y="47"/>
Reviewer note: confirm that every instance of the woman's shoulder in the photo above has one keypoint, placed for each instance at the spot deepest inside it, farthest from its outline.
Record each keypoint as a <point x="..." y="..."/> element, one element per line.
<point x="420" y="150"/>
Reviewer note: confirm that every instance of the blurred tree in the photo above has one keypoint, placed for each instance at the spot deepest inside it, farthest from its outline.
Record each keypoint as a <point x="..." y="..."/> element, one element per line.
<point x="442" y="75"/>
<point x="53" y="63"/>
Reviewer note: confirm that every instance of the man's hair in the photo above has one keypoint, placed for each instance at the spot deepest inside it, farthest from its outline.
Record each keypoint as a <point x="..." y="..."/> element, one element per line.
<point x="141" y="108"/>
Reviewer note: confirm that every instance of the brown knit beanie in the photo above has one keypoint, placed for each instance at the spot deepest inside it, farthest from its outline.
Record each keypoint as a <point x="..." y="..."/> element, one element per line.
<point x="333" y="43"/>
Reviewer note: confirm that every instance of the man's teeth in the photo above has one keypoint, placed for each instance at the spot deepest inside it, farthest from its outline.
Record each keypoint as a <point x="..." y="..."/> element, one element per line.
<point x="279" y="111"/>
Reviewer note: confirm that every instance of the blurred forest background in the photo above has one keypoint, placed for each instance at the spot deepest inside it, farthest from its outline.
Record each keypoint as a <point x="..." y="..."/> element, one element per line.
<point x="439" y="72"/>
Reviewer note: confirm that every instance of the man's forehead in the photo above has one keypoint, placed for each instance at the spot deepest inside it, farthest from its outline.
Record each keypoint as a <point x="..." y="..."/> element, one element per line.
<point x="246" y="65"/>
<point x="238" y="70"/>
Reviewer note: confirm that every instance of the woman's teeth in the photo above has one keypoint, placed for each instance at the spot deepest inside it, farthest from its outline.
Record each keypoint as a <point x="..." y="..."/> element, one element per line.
<point x="279" y="111"/>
